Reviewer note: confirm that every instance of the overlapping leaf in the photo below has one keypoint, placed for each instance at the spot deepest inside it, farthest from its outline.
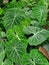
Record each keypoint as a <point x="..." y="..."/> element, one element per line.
<point x="40" y="35"/>
<point x="20" y="35"/>
<point x="46" y="46"/>
<point x="34" y="23"/>
<point x="39" y="12"/>
<point x="13" y="16"/>
<point x="7" y="62"/>
<point x="15" y="48"/>
<point x="31" y="30"/>
<point x="2" y="53"/>
<point x="35" y="58"/>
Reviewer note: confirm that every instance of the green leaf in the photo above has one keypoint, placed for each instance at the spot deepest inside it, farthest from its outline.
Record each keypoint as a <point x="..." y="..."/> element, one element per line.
<point x="34" y="23"/>
<point x="14" y="48"/>
<point x="17" y="32"/>
<point x="35" y="58"/>
<point x="13" y="16"/>
<point x="31" y="30"/>
<point x="7" y="62"/>
<point x="46" y="46"/>
<point x="30" y="3"/>
<point x="39" y="37"/>
<point x="2" y="53"/>
<point x="20" y="35"/>
<point x="25" y="22"/>
<point x="1" y="11"/>
<point x="26" y="59"/>
<point x="38" y="58"/>
<point x="11" y="4"/>
<point x="14" y="1"/>
<point x="39" y="12"/>
<point x="0" y="33"/>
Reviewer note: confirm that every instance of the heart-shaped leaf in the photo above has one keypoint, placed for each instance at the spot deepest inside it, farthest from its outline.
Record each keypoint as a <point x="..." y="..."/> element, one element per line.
<point x="39" y="12"/>
<point x="35" y="58"/>
<point x="40" y="35"/>
<point x="14" y="48"/>
<point x="13" y="16"/>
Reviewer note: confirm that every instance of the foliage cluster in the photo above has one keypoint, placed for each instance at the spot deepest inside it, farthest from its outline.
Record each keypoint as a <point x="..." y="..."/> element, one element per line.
<point x="24" y="26"/>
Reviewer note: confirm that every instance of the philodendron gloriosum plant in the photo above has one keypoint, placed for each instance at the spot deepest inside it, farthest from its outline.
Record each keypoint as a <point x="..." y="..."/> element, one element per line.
<point x="24" y="27"/>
